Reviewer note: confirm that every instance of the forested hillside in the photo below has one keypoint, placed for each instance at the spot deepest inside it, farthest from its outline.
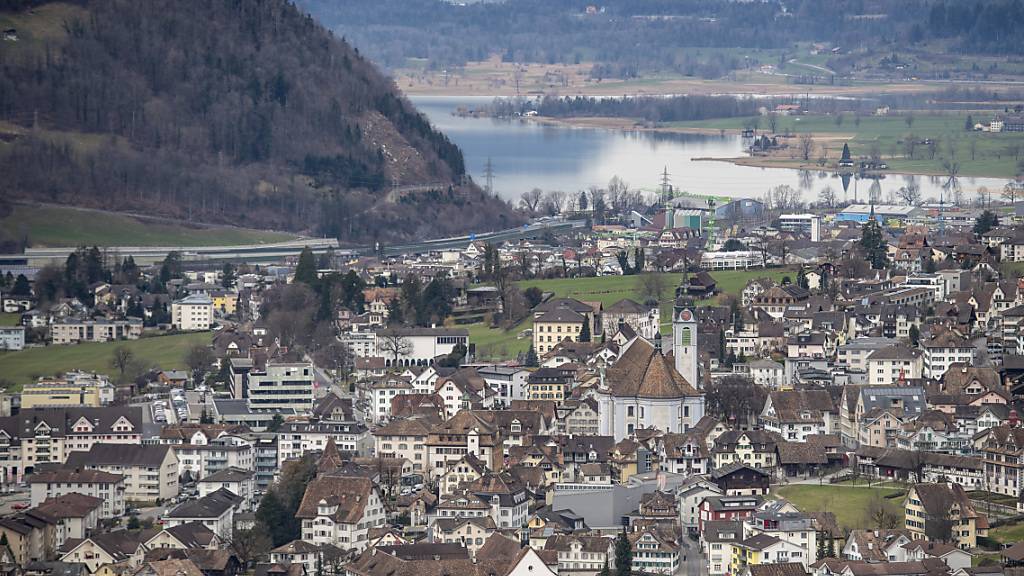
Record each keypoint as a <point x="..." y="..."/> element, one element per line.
<point x="246" y="112"/>
<point x="626" y="38"/>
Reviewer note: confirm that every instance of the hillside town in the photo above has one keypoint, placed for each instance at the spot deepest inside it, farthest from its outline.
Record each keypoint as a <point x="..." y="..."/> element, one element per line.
<point x="710" y="387"/>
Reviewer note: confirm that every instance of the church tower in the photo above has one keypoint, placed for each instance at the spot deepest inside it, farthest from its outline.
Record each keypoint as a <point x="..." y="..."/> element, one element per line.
<point x="684" y="339"/>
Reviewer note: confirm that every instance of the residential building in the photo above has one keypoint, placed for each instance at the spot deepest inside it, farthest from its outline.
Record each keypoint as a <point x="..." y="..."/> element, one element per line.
<point x="12" y="338"/>
<point x="108" y="488"/>
<point x="150" y="471"/>
<point x="939" y="511"/>
<point x="216" y="511"/>
<point x="405" y="438"/>
<point x="238" y="481"/>
<point x="896" y="363"/>
<point x="644" y="320"/>
<point x="75" y="330"/>
<point x="944" y="349"/>
<point x="73" y="389"/>
<point x="192" y="313"/>
<point x="340" y="511"/>
<point x="76" y="515"/>
<point x="295" y="439"/>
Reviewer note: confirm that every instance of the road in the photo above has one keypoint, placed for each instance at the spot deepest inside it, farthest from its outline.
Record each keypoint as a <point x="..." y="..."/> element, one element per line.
<point x="7" y="501"/>
<point x="695" y="564"/>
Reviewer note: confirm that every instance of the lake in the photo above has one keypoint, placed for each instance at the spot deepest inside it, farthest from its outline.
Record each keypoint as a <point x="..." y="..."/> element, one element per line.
<point x="526" y="155"/>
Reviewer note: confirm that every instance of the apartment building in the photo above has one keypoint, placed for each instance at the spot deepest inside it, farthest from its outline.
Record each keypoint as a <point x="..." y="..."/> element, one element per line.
<point x="150" y="471"/>
<point x="192" y="313"/>
<point x="75" y="330"/>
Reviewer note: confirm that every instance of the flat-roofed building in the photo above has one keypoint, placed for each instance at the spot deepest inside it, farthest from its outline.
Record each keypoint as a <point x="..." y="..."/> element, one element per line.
<point x="74" y="330"/>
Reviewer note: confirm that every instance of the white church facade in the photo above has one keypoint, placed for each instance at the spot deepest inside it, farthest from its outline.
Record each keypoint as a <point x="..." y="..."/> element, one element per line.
<point x="643" y="389"/>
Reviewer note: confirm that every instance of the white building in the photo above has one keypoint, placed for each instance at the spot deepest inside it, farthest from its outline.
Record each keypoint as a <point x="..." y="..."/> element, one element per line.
<point x="96" y="483"/>
<point x="12" y="337"/>
<point x="340" y="511"/>
<point x="297" y="438"/>
<point x="381" y="393"/>
<point x="943" y="350"/>
<point x="508" y="383"/>
<point x="241" y="483"/>
<point x="738" y="260"/>
<point x="202" y="457"/>
<point x="281" y="385"/>
<point x="192" y="313"/>
<point x="150" y="471"/>
<point x="216" y="511"/>
<point x="643" y="390"/>
<point x="809" y="224"/>
<point x="889" y="365"/>
<point x="416" y="346"/>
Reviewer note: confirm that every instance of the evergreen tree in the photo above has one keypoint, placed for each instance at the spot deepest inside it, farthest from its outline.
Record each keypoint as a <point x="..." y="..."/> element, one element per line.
<point x="969" y="123"/>
<point x="273" y="514"/>
<point x="583" y="201"/>
<point x="396" y="314"/>
<point x="605" y="571"/>
<point x="929" y="265"/>
<point x="871" y="240"/>
<point x="21" y="286"/>
<point x="623" y="555"/>
<point x="721" y="345"/>
<point x="531" y="357"/>
<point x="801" y="279"/>
<point x="830" y="548"/>
<point x="227" y="279"/>
<point x="915" y="334"/>
<point x="624" y="263"/>
<point x="638" y="260"/>
<point x="585" y="331"/>
<point x="305" y="271"/>
<point x="987" y="221"/>
<point x="846" y="152"/>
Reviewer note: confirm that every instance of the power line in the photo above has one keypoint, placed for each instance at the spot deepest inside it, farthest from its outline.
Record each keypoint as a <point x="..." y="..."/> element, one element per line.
<point x="489" y="176"/>
<point x="666" y="186"/>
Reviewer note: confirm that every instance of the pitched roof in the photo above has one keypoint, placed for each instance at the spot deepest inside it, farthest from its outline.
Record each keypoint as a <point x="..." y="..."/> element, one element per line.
<point x="146" y="455"/>
<point x="644" y="372"/>
<point x="213" y="505"/>
<point x="349" y="494"/>
<point x="73" y="505"/>
<point x="192" y="534"/>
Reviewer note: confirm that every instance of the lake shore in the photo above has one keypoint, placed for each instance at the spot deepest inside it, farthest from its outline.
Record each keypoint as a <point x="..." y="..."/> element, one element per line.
<point x="833" y="140"/>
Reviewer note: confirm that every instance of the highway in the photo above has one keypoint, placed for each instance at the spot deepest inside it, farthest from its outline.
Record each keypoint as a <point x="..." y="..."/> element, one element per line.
<point x="279" y="251"/>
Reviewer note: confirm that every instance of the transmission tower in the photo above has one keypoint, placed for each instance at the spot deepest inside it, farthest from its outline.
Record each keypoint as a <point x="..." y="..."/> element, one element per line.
<point x="489" y="176"/>
<point x="666" y="186"/>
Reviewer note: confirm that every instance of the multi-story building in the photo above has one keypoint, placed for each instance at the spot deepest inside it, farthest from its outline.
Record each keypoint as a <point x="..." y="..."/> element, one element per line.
<point x="74" y="330"/>
<point x="72" y="389"/>
<point x="12" y="338"/>
<point x="203" y="456"/>
<point x="297" y="438"/>
<point x="281" y="385"/>
<point x="557" y="325"/>
<point x="894" y="364"/>
<point x="340" y="511"/>
<point x="192" y="313"/>
<point x="946" y="505"/>
<point x="548" y="384"/>
<point x="150" y="471"/>
<point x="382" y="390"/>
<point x="508" y="383"/>
<point x="644" y="320"/>
<point x="110" y="488"/>
<point x="405" y="438"/>
<point x="1002" y="448"/>
<point x="944" y="349"/>
<point x="48" y="435"/>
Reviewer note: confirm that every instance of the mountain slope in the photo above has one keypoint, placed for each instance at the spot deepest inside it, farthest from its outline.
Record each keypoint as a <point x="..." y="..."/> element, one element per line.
<point x="244" y="112"/>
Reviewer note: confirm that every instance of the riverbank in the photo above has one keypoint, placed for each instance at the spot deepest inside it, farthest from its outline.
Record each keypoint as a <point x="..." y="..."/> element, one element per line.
<point x="980" y="154"/>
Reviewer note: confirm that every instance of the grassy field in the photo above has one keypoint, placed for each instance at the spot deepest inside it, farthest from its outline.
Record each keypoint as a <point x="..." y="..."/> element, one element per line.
<point x="9" y="318"/>
<point x="58" y="226"/>
<point x="165" y="352"/>
<point x="503" y="344"/>
<point x="849" y="504"/>
<point x="994" y="155"/>
<point x="1008" y="534"/>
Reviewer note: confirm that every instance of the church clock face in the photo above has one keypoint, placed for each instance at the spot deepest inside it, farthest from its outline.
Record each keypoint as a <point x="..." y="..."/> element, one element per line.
<point x="686" y="315"/>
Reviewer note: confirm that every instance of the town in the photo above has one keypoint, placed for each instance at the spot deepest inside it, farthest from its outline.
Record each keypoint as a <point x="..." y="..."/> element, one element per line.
<point x="674" y="384"/>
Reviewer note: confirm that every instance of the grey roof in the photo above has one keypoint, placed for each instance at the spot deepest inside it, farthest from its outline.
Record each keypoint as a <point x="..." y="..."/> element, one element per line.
<point x="148" y="455"/>
<point x="230" y="474"/>
<point x="60" y="420"/>
<point x="230" y="407"/>
<point x="869" y="343"/>
<point x="896" y="352"/>
<point x="213" y="505"/>
<point x="880" y="397"/>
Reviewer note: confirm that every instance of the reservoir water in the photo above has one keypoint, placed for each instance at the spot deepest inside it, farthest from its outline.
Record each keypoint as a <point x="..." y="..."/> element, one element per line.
<point x="526" y="155"/>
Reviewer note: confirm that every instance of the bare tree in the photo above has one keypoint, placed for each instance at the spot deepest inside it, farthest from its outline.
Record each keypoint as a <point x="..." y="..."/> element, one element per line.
<point x="530" y="200"/>
<point x="909" y="194"/>
<point x="199" y="359"/>
<point x="827" y="196"/>
<point x="984" y="196"/>
<point x="773" y="121"/>
<point x="553" y="202"/>
<point x="335" y="357"/>
<point x="394" y="343"/>
<point x="785" y="197"/>
<point x="909" y="119"/>
<point x="879" y="515"/>
<point x="806" y="146"/>
<point x="122" y="359"/>
<point x="650" y="286"/>
<point x="1009" y="193"/>
<point x="249" y="544"/>
<point x="909" y="145"/>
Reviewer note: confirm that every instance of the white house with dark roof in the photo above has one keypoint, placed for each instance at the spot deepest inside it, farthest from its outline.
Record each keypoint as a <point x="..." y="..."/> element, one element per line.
<point x="216" y="511"/>
<point x="238" y="481"/>
<point x="340" y="511"/>
<point x="150" y="471"/>
<point x="109" y="488"/>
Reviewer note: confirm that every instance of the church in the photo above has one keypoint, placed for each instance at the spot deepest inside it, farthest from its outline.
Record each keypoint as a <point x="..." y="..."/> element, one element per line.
<point x="644" y="389"/>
